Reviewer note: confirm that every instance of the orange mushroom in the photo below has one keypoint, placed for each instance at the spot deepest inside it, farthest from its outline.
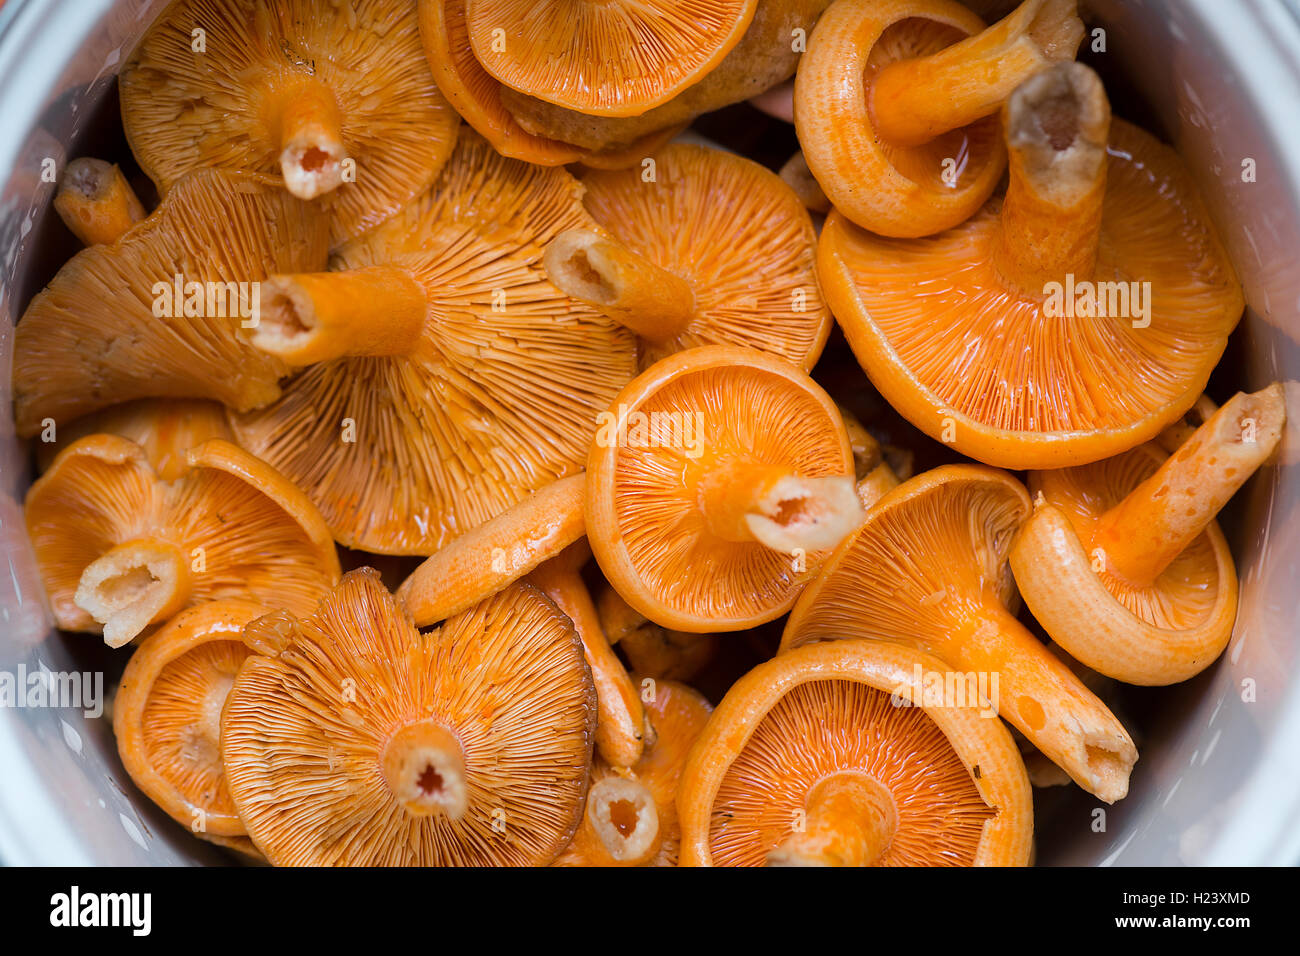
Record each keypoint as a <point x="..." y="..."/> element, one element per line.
<point x="1068" y="322"/>
<point x="652" y="651"/>
<point x="842" y="755"/>
<point x="716" y="250"/>
<point x="120" y="549"/>
<point x="895" y="102"/>
<point x="718" y="480"/>
<point x="165" y="310"/>
<point x="96" y="202"/>
<point x="874" y="473"/>
<point x="335" y="99"/>
<point x="352" y="739"/>
<point x="1175" y="434"/>
<point x="442" y="357"/>
<point x="928" y="569"/>
<point x="796" y="174"/>
<point x="1122" y="561"/>
<point x="631" y="814"/>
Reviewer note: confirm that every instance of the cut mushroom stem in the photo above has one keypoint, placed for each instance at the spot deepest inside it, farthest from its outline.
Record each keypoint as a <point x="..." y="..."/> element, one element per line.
<point x="96" y="202"/>
<point x="602" y="272"/>
<point x="850" y="820"/>
<point x="311" y="140"/>
<point x="624" y="817"/>
<point x="1139" y="537"/>
<point x="915" y="100"/>
<point x="136" y="584"/>
<point x="316" y="317"/>
<point x="1173" y="437"/>
<point x="1057" y="127"/>
<point x="424" y="767"/>
<point x="785" y="512"/>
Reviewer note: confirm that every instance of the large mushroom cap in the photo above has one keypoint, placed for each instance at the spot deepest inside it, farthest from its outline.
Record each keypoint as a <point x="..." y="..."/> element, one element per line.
<point x="836" y="755"/>
<point x="120" y="548"/>
<point x="359" y="741"/>
<point x="609" y="57"/>
<point x="293" y="88"/>
<point x="110" y="327"/>
<point x="495" y="397"/>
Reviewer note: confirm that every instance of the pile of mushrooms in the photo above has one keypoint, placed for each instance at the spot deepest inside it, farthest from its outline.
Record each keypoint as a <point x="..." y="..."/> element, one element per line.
<point x="635" y="428"/>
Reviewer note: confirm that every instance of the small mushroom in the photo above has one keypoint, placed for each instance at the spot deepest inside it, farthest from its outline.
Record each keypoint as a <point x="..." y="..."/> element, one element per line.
<point x="928" y="569"/>
<point x="336" y="99"/>
<point x="353" y="739"/>
<point x="871" y="466"/>
<point x="720" y="480"/>
<point x="838" y="755"/>
<point x="1122" y="561"/>
<point x="631" y="813"/>
<point x="652" y="651"/>
<point x="974" y="335"/>
<point x="120" y="549"/>
<point x="716" y="250"/>
<point x="96" y="202"/>
<point x="895" y="104"/>
<point x="441" y="356"/>
<point x="159" y="313"/>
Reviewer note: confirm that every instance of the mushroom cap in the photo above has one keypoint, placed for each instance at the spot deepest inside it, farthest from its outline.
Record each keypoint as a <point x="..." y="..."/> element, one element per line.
<point x="1159" y="634"/>
<point x="644" y="522"/>
<point x="956" y="778"/>
<point x="611" y="58"/>
<point x="970" y="360"/>
<point x="305" y="730"/>
<point x="91" y="338"/>
<point x="737" y="234"/>
<point x="260" y="538"/>
<point x="498" y="399"/>
<point x="184" y="110"/>
<point x="167" y="713"/>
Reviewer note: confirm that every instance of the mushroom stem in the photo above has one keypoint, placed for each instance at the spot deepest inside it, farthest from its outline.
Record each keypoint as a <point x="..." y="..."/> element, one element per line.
<point x="876" y="484"/>
<point x="850" y="820"/>
<point x="1140" y="537"/>
<point x="630" y="289"/>
<point x="316" y="317"/>
<point x="1057" y="126"/>
<point x="787" y="513"/>
<point x="623" y="815"/>
<point x="96" y="202"/>
<point x="137" y="583"/>
<point x="311" y="139"/>
<point x="424" y="767"/>
<point x="1173" y="436"/>
<point x="912" y="101"/>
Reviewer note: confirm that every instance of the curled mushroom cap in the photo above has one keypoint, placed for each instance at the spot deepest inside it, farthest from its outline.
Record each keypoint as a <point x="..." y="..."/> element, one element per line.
<point x="442" y="356"/>
<point x="166" y="310"/>
<point x="838" y="755"/>
<point x="611" y="57"/>
<point x="96" y="202"/>
<point x="718" y="480"/>
<point x="1065" y="323"/>
<point x="1122" y="561"/>
<point x="335" y="99"/>
<point x="895" y="104"/>
<point x="356" y="740"/>
<point x="121" y="549"/>
<point x="716" y="250"/>
<point x="167" y="713"/>
<point x="928" y="569"/>
<point x="631" y="813"/>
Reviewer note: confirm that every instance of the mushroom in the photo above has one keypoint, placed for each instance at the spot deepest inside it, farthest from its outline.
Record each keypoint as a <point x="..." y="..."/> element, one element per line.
<point x="120" y="549"/>
<point x="631" y="813"/>
<point x="441" y="355"/>
<point x="336" y="99"/>
<point x="652" y="651"/>
<point x="716" y="250"/>
<point x="165" y="310"/>
<point x="718" y="481"/>
<point x="167" y="713"/>
<point x="974" y="335"/>
<point x="1174" y="435"/>
<point x="875" y="475"/>
<point x="796" y="174"/>
<point x="96" y="202"/>
<point x="353" y="739"/>
<point x="928" y="569"/>
<point x="1122" y="561"/>
<point x="895" y="104"/>
<point x="842" y="755"/>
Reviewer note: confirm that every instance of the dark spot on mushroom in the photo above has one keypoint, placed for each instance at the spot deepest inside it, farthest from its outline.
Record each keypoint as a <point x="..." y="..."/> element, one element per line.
<point x="975" y="771"/>
<point x="430" y="781"/>
<point x="623" y="814"/>
<point x="314" y="159"/>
